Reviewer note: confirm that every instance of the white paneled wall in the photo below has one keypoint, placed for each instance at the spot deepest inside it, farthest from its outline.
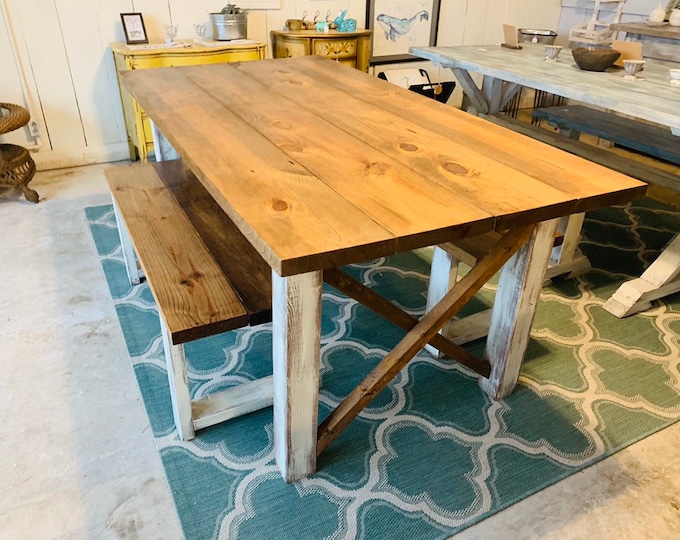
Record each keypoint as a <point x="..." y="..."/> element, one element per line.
<point x="54" y="56"/>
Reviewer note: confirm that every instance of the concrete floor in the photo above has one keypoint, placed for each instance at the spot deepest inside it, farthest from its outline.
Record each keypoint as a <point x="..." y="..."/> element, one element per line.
<point x="77" y="458"/>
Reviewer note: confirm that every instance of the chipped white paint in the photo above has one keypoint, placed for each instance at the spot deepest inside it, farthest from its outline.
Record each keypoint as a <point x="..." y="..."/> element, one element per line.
<point x="514" y="308"/>
<point x="179" y="385"/>
<point x="660" y="279"/>
<point x="133" y="271"/>
<point x="296" y="311"/>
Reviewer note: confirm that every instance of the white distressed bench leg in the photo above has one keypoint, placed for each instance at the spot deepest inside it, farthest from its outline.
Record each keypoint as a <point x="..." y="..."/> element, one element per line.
<point x="660" y="279"/>
<point x="567" y="259"/>
<point x="296" y="311"/>
<point x="519" y="288"/>
<point x="443" y="275"/>
<point x="163" y="150"/>
<point x="129" y="257"/>
<point x="179" y="386"/>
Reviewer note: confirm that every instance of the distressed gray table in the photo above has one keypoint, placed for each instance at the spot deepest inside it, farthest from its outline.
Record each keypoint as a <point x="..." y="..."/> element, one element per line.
<point x="653" y="99"/>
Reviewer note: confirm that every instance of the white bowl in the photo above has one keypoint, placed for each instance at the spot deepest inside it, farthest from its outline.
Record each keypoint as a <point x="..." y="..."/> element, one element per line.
<point x="674" y="73"/>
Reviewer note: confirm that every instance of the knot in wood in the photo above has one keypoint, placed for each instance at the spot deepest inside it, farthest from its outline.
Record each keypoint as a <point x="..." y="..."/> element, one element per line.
<point x="296" y="83"/>
<point x="455" y="168"/>
<point x="279" y="205"/>
<point x="291" y="147"/>
<point x="190" y="281"/>
<point x="376" y="168"/>
<point x="282" y="124"/>
<point x="408" y="147"/>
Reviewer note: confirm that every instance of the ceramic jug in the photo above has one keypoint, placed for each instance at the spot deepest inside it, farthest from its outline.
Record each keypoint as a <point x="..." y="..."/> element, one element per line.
<point x="658" y="14"/>
<point x="674" y="19"/>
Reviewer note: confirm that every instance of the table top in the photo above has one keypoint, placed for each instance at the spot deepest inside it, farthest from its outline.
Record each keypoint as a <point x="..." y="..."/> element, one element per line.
<point x="652" y="98"/>
<point x="321" y="165"/>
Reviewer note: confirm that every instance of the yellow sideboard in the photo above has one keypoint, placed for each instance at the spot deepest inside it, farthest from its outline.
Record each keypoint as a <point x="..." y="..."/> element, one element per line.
<point x="351" y="48"/>
<point x="155" y="56"/>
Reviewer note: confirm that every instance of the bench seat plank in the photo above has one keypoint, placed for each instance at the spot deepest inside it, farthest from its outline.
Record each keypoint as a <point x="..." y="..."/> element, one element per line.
<point x="648" y="139"/>
<point x="194" y="296"/>
<point x="245" y="269"/>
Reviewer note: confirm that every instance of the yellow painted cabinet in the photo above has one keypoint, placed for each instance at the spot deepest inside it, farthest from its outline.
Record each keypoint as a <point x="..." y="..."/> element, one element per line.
<point x="190" y="54"/>
<point x="351" y="48"/>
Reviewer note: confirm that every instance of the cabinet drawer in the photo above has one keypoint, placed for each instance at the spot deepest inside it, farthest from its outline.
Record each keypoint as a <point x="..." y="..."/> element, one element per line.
<point x="183" y="59"/>
<point x="288" y="48"/>
<point x="335" y="48"/>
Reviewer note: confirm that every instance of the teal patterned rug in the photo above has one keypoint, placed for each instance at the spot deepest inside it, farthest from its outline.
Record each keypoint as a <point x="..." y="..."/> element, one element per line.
<point x="432" y="454"/>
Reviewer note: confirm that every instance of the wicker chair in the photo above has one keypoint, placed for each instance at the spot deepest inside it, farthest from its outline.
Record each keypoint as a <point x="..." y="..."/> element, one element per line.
<point x="16" y="164"/>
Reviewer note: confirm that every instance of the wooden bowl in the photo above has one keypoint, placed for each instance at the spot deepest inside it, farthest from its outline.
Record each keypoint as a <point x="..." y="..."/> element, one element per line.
<point x="591" y="59"/>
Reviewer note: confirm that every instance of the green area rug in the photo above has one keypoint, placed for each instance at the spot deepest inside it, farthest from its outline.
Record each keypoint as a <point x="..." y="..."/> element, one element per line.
<point x="432" y="454"/>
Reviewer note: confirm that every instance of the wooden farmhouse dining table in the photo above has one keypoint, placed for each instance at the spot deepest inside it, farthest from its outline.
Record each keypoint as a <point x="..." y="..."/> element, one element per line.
<point x="320" y="165"/>
<point x="651" y="99"/>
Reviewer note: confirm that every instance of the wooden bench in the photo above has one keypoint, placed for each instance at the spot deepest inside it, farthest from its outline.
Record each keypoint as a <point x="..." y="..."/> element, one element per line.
<point x="647" y="139"/>
<point x="205" y="276"/>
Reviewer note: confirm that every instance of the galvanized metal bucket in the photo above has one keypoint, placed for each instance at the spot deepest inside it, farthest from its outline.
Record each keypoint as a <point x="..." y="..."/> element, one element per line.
<point x="532" y="35"/>
<point x="228" y="27"/>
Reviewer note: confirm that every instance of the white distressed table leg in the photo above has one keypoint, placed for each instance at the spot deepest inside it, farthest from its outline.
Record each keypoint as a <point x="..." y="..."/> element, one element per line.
<point x="163" y="150"/>
<point x="567" y="260"/>
<point x="443" y="275"/>
<point x="519" y="288"/>
<point x="129" y="257"/>
<point x="296" y="311"/>
<point x="660" y="279"/>
<point x="179" y="386"/>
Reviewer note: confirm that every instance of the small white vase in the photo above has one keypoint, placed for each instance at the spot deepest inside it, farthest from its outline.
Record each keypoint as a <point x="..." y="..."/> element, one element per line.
<point x="674" y="19"/>
<point x="657" y="15"/>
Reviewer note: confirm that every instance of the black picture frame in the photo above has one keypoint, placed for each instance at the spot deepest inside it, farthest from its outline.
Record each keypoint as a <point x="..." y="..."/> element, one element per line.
<point x="392" y="20"/>
<point x="133" y="26"/>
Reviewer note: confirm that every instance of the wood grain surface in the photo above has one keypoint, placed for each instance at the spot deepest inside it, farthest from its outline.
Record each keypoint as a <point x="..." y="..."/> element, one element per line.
<point x="192" y="290"/>
<point x="320" y="165"/>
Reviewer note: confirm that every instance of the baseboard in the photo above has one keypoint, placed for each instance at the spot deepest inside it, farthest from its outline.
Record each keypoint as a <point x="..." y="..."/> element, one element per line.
<point x="76" y="157"/>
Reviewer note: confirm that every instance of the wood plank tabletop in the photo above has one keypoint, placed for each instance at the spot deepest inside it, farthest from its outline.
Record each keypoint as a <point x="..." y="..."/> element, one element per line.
<point x="320" y="165"/>
<point x="651" y="98"/>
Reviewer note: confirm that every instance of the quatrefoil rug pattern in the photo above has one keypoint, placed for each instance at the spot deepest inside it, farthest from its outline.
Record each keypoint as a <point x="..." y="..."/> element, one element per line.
<point x="432" y="454"/>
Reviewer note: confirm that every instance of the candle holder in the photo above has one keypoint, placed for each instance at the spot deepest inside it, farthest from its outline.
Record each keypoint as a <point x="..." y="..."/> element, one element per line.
<point x="200" y="32"/>
<point x="552" y="52"/>
<point x="632" y="67"/>
<point x="170" y="33"/>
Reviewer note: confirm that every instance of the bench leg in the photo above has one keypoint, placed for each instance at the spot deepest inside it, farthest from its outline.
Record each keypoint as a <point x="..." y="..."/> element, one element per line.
<point x="134" y="275"/>
<point x="519" y="288"/>
<point x="179" y="386"/>
<point x="296" y="311"/>
<point x="660" y="279"/>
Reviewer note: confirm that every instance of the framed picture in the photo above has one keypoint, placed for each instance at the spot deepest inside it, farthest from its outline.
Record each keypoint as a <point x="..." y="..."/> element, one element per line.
<point x="400" y="24"/>
<point x="133" y="26"/>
